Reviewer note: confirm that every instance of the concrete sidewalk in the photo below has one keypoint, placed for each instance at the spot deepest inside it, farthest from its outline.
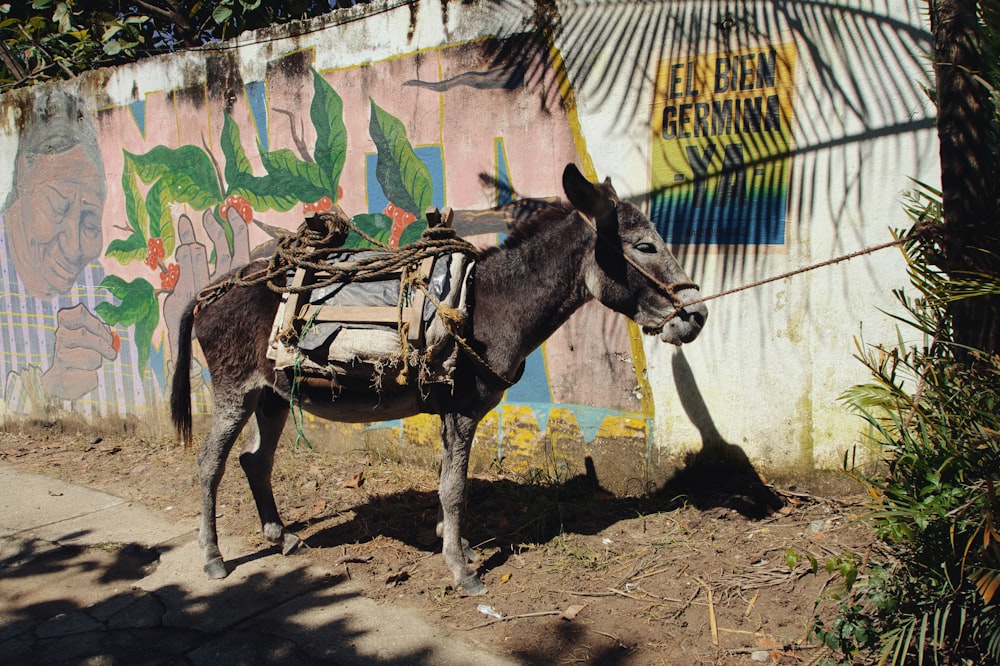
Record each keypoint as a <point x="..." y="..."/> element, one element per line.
<point x="89" y="578"/>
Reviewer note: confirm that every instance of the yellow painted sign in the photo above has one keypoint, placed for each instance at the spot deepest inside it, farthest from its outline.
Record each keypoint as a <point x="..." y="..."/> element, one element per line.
<point x="722" y="146"/>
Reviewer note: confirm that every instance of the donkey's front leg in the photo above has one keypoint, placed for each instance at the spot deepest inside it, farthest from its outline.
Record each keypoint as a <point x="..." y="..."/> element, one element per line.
<point x="456" y="440"/>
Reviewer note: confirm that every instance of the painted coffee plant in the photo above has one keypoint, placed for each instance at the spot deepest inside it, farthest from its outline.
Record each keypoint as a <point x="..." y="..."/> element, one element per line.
<point x="156" y="182"/>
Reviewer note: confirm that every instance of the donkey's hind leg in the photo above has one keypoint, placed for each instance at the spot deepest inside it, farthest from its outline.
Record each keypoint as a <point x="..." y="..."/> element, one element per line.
<point x="257" y="460"/>
<point x="231" y="414"/>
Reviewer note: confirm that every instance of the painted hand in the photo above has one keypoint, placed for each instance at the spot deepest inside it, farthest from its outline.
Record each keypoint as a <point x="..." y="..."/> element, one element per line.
<point x="192" y="257"/>
<point x="82" y="343"/>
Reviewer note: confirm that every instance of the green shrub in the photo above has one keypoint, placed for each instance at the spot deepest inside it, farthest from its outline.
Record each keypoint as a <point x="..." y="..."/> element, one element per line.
<point x="929" y="594"/>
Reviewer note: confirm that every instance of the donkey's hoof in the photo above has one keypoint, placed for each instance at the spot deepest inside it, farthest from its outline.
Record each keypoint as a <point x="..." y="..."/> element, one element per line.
<point x="290" y="543"/>
<point x="216" y="569"/>
<point x="472" y="587"/>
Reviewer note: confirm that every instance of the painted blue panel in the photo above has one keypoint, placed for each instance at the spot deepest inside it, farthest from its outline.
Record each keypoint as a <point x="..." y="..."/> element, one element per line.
<point x="589" y="419"/>
<point x="745" y="206"/>
<point x="534" y="384"/>
<point x="256" y="93"/>
<point x="757" y="221"/>
<point x="431" y="156"/>
<point x="138" y="110"/>
<point x="505" y="191"/>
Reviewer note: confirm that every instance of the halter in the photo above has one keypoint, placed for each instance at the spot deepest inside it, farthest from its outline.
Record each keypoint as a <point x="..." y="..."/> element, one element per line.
<point x="669" y="289"/>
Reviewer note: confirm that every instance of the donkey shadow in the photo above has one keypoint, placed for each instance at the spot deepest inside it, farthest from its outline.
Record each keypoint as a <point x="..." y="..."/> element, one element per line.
<point x="719" y="474"/>
<point x="505" y="512"/>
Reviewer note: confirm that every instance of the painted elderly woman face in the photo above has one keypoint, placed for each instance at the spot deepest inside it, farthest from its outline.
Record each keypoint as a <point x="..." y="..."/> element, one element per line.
<point x="54" y="226"/>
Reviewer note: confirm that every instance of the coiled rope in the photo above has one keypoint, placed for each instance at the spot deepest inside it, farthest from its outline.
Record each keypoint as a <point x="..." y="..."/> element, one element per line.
<point x="312" y="244"/>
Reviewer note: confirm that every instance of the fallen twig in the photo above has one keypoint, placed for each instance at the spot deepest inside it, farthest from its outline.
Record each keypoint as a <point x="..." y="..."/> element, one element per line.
<point x="750" y="605"/>
<point x="713" y="625"/>
<point x="358" y="559"/>
<point x="655" y="602"/>
<point x="791" y="647"/>
<point x="518" y="616"/>
<point x="612" y="637"/>
<point x="579" y="593"/>
<point x="653" y="573"/>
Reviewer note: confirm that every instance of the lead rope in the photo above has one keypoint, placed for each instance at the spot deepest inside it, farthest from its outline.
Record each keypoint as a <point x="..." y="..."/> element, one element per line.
<point x="775" y="278"/>
<point x="919" y="229"/>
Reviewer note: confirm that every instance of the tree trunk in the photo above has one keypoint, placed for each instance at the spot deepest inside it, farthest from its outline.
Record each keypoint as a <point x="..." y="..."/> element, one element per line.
<point x="967" y="171"/>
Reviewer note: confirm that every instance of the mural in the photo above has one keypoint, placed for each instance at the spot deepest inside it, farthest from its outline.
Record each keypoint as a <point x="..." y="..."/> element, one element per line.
<point x="56" y="347"/>
<point x="116" y="218"/>
<point x="721" y="147"/>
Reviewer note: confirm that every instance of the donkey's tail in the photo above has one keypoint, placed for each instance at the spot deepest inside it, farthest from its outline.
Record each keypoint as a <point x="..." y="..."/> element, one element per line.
<point x="180" y="391"/>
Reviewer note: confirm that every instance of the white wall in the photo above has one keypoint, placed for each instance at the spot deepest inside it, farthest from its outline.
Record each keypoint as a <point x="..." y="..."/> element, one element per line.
<point x="766" y="373"/>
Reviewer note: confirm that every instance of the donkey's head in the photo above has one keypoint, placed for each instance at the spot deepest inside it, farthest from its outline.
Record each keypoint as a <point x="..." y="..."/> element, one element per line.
<point x="632" y="271"/>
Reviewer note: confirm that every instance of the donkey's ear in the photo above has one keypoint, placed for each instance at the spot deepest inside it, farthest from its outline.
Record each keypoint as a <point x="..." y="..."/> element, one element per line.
<point x="588" y="198"/>
<point x="609" y="186"/>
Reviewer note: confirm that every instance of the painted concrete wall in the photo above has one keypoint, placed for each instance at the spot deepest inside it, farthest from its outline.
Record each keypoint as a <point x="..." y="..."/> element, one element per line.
<point x="761" y="137"/>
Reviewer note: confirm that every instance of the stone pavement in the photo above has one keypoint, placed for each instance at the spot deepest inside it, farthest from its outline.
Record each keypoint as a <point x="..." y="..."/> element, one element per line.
<point x="89" y="578"/>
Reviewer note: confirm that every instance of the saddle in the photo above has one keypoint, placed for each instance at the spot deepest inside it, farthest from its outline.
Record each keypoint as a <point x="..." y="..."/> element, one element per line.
<point x="384" y="334"/>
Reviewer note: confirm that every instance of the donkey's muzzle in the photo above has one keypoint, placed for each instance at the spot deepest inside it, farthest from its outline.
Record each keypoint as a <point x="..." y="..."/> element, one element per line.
<point x="686" y="321"/>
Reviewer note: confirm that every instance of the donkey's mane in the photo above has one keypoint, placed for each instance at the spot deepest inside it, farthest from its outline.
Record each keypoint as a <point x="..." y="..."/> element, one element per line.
<point x="530" y="226"/>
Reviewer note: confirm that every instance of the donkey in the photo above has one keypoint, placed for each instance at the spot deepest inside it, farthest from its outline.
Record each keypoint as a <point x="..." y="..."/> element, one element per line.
<point x="551" y="263"/>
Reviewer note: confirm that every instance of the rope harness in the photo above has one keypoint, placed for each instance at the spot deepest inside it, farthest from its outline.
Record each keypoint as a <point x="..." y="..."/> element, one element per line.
<point x="670" y="289"/>
<point x="313" y="242"/>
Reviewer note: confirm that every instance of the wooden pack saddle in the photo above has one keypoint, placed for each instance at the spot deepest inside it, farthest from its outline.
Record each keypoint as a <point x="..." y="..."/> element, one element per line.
<point x="384" y="333"/>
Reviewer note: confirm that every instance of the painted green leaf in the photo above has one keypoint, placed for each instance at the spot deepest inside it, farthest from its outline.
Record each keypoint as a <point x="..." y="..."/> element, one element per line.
<point x="135" y="203"/>
<point x="375" y="225"/>
<point x="237" y="164"/>
<point x="122" y="290"/>
<point x="405" y="179"/>
<point x="412" y="232"/>
<point x="186" y="171"/>
<point x="138" y="308"/>
<point x="127" y="250"/>
<point x="161" y="223"/>
<point x="279" y="190"/>
<point x="264" y="199"/>
<point x="167" y="232"/>
<point x="292" y="177"/>
<point x="143" y="331"/>
<point x="327" y="114"/>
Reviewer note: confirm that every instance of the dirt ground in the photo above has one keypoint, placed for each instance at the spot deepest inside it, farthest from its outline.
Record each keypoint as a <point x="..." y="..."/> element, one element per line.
<point x="714" y="568"/>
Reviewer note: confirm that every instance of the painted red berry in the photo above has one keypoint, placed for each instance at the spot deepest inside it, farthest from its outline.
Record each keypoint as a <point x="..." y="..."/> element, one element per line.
<point x="324" y="204"/>
<point x="169" y="279"/>
<point x="240" y="205"/>
<point x="154" y="252"/>
<point x="116" y="341"/>
<point x="400" y="220"/>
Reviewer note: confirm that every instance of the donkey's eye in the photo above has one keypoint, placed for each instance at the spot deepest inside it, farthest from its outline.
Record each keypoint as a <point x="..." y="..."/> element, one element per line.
<point x="646" y="248"/>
